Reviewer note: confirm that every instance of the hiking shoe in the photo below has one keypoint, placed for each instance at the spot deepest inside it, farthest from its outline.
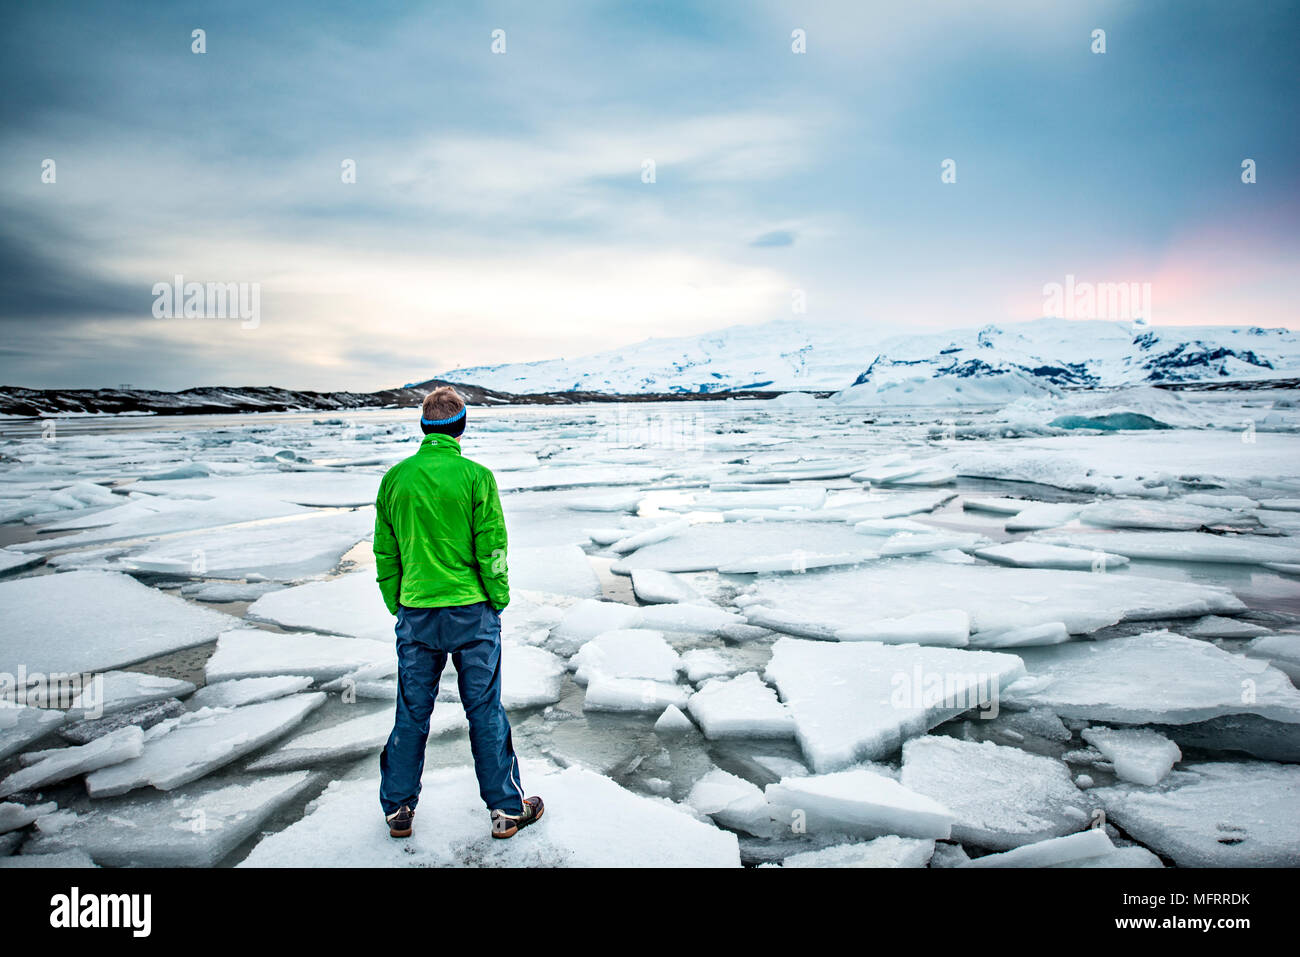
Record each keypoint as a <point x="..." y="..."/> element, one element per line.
<point x="507" y="825"/>
<point x="401" y="821"/>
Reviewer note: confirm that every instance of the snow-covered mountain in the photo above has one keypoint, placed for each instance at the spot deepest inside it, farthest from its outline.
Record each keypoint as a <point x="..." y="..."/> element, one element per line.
<point x="800" y="355"/>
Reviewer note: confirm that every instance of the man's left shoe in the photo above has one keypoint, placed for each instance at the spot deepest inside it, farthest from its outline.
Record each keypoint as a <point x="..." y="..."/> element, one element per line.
<point x="401" y="821"/>
<point x="505" y="824"/>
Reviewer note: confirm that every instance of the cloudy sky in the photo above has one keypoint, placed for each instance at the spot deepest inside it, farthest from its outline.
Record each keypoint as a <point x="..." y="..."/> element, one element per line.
<point x="500" y="211"/>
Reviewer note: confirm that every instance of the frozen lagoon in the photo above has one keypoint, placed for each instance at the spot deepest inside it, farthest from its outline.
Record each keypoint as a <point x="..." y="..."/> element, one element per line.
<point x="932" y="576"/>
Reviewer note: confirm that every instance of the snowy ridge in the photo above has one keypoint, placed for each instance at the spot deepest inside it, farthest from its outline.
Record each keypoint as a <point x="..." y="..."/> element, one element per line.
<point x="791" y="354"/>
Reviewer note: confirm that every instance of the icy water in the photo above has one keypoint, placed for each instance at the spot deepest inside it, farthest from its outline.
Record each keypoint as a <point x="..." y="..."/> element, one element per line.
<point x="758" y="565"/>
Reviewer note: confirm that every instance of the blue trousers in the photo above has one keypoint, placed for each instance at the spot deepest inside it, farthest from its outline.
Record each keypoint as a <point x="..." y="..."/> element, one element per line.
<point x="471" y="635"/>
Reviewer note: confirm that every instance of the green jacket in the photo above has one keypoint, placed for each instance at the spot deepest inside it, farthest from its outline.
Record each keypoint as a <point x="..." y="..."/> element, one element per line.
<point x="440" y="537"/>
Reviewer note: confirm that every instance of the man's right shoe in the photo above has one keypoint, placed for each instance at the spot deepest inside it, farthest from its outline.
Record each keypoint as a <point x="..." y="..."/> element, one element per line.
<point x="505" y="824"/>
<point x="401" y="821"/>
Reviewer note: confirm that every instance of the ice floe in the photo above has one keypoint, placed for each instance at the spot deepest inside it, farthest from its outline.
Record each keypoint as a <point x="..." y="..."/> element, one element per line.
<point x="585" y="826"/>
<point x="854" y="701"/>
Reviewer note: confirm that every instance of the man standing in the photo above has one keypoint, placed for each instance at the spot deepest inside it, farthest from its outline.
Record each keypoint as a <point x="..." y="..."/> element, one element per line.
<point x="440" y="552"/>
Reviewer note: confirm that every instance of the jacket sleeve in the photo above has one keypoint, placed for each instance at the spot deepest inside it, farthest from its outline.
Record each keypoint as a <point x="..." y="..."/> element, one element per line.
<point x="490" y="541"/>
<point x="388" y="561"/>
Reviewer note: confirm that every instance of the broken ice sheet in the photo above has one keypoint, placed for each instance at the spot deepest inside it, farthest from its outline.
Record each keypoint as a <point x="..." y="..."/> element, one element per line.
<point x="857" y="802"/>
<point x="43" y="768"/>
<point x="1154" y="677"/>
<point x="1215" y="814"/>
<point x="706" y="546"/>
<point x="585" y="826"/>
<point x="348" y="605"/>
<point x="1139" y="755"/>
<point x="21" y="725"/>
<point x="232" y="694"/>
<point x="740" y="707"/>
<point x="852" y="701"/>
<point x="1001" y="797"/>
<point x="122" y="690"/>
<point x="317" y="543"/>
<point x="255" y="653"/>
<point x="887" y="851"/>
<point x="351" y="738"/>
<point x="105" y="620"/>
<point x="732" y="802"/>
<point x="195" y="827"/>
<point x="822" y="604"/>
<point x="1179" y="546"/>
<point x="200" y="742"/>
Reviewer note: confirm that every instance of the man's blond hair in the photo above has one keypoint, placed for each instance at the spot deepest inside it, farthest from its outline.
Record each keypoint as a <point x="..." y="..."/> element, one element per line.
<point x="442" y="403"/>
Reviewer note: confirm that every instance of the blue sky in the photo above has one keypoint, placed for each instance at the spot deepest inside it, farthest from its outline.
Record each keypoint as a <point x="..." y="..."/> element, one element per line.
<point x="499" y="211"/>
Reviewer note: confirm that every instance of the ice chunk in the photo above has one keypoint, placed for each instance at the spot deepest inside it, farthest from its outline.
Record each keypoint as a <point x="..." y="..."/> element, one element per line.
<point x="589" y="618"/>
<point x="75" y="859"/>
<point x="949" y="628"/>
<point x="530" y="677"/>
<point x="255" y="653"/>
<point x="997" y="599"/>
<point x="796" y="562"/>
<point x="148" y="518"/>
<point x="317" y="543"/>
<point x="627" y="653"/>
<point x="585" y="826"/>
<point x="232" y="694"/>
<point x="21" y="725"/>
<point x="1038" y="555"/>
<point x="196" y="827"/>
<point x="104" y="620"/>
<point x="1052" y="852"/>
<point x="632" y="694"/>
<point x="673" y="721"/>
<point x="1281" y="651"/>
<point x="704" y="663"/>
<point x="228" y="591"/>
<point x="740" y="707"/>
<point x="1155" y="677"/>
<point x="1220" y="814"/>
<point x="1129" y="857"/>
<point x="347" y="605"/>
<point x="732" y="802"/>
<point x="352" y="739"/>
<point x="613" y="502"/>
<point x="11" y="561"/>
<point x="857" y="802"/>
<point x="122" y="690"/>
<point x="560" y="569"/>
<point x="1179" y="546"/>
<point x="996" y="506"/>
<point x="700" y="617"/>
<point x="655" y="587"/>
<point x="649" y="536"/>
<point x="143" y="716"/>
<point x="1138" y="754"/>
<point x="862" y="700"/>
<point x="323" y="489"/>
<point x="59" y="764"/>
<point x="1041" y="515"/>
<point x="1174" y="516"/>
<point x="1000" y="797"/>
<point x="1215" y="626"/>
<point x="14" y="816"/>
<point x="706" y="546"/>
<point x="200" y="742"/>
<point x="887" y="851"/>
